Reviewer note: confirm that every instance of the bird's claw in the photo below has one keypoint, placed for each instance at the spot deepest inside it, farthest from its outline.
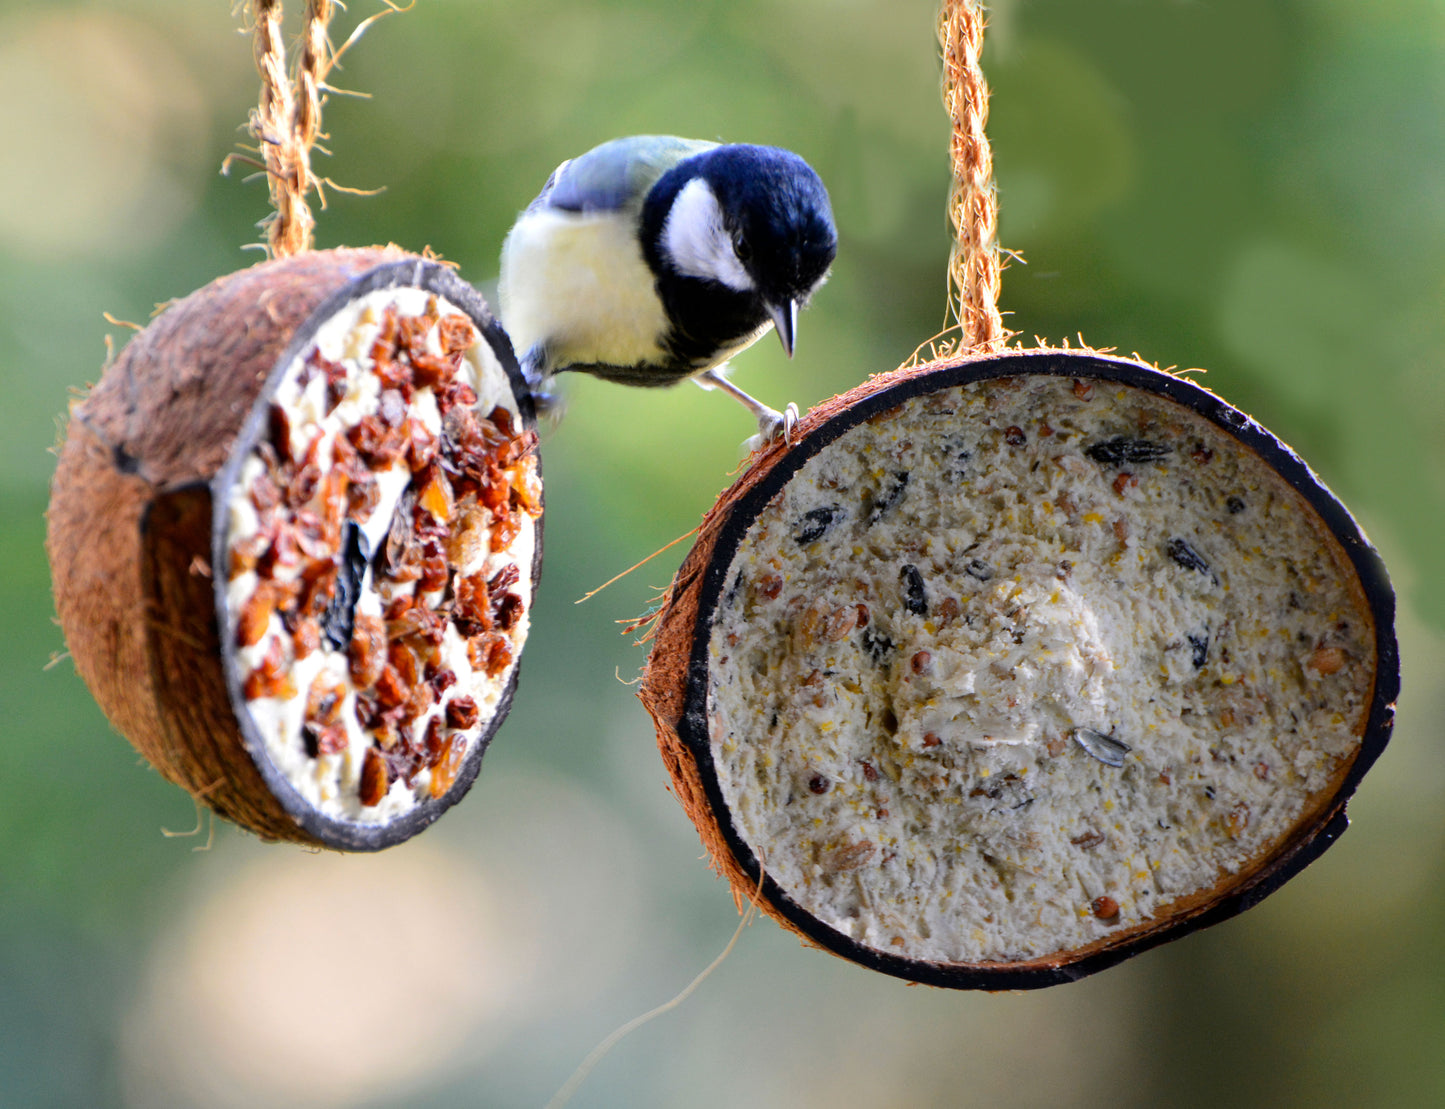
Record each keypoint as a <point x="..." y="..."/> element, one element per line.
<point x="773" y="426"/>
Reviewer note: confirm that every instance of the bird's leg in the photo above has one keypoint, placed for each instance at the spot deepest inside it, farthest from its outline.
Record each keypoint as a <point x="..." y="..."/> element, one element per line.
<point x="771" y="423"/>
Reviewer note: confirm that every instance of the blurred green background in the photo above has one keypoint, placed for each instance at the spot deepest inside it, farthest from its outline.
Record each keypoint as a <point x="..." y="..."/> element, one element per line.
<point x="1252" y="186"/>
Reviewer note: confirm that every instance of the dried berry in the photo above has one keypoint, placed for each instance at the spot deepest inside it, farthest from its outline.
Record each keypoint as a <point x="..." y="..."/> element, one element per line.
<point x="375" y="778"/>
<point x="462" y="712"/>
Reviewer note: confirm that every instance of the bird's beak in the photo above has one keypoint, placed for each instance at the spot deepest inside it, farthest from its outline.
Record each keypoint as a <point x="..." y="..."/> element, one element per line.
<point x="785" y="319"/>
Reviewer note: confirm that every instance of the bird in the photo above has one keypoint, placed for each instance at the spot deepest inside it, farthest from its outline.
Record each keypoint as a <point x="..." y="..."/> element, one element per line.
<point x="653" y="259"/>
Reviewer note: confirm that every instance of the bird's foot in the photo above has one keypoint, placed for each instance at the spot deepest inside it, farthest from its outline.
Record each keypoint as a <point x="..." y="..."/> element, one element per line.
<point x="772" y="426"/>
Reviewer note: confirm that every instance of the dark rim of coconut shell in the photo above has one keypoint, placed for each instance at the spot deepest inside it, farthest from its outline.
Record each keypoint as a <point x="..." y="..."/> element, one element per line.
<point x="345" y="834"/>
<point x="1288" y="859"/>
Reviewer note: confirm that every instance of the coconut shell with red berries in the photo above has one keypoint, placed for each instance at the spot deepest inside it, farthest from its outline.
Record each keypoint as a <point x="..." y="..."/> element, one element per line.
<point x="295" y="534"/>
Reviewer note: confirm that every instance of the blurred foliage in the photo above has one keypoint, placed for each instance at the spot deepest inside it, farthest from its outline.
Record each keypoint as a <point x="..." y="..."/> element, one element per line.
<point x="1252" y="186"/>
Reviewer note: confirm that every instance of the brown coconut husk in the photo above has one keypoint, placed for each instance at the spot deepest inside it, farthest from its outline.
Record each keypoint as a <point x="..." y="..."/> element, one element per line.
<point x="130" y="534"/>
<point x="674" y="685"/>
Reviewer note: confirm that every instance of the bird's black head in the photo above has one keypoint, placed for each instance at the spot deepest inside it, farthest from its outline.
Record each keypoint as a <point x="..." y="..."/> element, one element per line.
<point x="736" y="235"/>
<point x="776" y="211"/>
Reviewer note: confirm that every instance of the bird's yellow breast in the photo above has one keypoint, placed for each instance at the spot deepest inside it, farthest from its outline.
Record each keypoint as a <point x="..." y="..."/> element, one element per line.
<point x="578" y="283"/>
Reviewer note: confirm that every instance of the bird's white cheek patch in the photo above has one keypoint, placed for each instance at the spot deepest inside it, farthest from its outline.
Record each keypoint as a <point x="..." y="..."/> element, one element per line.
<point x="698" y="243"/>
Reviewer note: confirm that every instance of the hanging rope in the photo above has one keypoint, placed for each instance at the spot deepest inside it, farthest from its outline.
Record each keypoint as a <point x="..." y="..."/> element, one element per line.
<point x="973" y="263"/>
<point x="287" y="121"/>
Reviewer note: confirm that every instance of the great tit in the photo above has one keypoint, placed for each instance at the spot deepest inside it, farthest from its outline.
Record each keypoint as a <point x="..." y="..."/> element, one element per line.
<point x="652" y="259"/>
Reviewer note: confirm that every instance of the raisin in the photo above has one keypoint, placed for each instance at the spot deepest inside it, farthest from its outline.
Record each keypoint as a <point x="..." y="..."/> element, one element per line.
<point x="305" y="638"/>
<point x="323" y="700"/>
<point x="434" y="573"/>
<point x="434" y="741"/>
<point x="318" y="588"/>
<point x="431" y="370"/>
<point x="264" y="494"/>
<point x="418" y="702"/>
<point x="455" y="334"/>
<point x="411" y="334"/>
<point x="434" y="494"/>
<point x="391" y="692"/>
<point x="310" y="535"/>
<point x="444" y="774"/>
<point x="508" y="611"/>
<point x="280" y="427"/>
<point x="489" y="653"/>
<point x="404" y="661"/>
<point x="271" y="677"/>
<point x="375" y="778"/>
<point x="1014" y="436"/>
<point x="455" y="396"/>
<point x="367" y="650"/>
<point x="422" y="446"/>
<point x="504" y="531"/>
<point x="303" y="486"/>
<point x="501" y="418"/>
<point x="462" y="712"/>
<point x="255" y="615"/>
<point x="472" y="610"/>
<point x="503" y="579"/>
<point x="818" y="784"/>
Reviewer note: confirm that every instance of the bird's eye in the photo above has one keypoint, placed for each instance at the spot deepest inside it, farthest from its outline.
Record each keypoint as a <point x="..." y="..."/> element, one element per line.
<point x="741" y="247"/>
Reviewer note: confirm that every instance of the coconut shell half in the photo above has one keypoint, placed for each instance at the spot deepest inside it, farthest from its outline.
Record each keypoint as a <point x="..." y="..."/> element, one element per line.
<point x="295" y="535"/>
<point x="1009" y="668"/>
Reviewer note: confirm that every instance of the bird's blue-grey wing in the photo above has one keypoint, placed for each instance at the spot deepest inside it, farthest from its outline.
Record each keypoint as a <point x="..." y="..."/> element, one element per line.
<point x="616" y="175"/>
